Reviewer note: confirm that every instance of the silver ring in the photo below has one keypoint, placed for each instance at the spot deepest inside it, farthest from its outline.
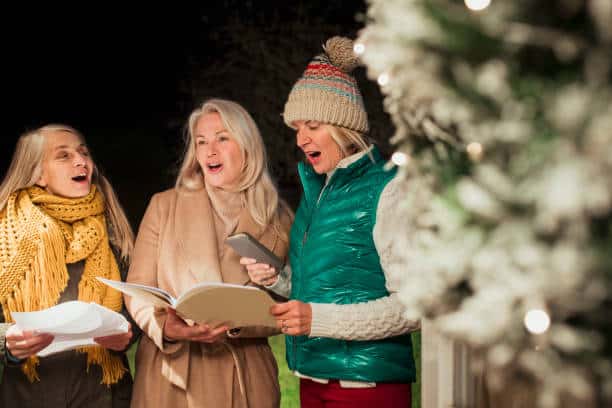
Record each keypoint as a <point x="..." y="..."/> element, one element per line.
<point x="284" y="325"/>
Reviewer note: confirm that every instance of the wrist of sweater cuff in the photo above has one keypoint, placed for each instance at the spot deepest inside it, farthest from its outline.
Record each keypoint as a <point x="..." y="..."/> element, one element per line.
<point x="275" y="285"/>
<point x="324" y="322"/>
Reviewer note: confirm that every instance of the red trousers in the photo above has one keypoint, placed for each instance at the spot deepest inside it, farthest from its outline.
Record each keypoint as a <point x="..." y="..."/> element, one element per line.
<point x="331" y="395"/>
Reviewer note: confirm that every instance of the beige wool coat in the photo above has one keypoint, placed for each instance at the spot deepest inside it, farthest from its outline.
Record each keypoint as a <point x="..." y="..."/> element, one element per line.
<point x="177" y="247"/>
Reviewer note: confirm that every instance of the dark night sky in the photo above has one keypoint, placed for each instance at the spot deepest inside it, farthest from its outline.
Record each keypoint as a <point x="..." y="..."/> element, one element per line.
<point x="110" y="73"/>
<point x="119" y="74"/>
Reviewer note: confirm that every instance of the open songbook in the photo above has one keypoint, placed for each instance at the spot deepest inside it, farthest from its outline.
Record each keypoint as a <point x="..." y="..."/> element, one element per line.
<point x="73" y="324"/>
<point x="211" y="303"/>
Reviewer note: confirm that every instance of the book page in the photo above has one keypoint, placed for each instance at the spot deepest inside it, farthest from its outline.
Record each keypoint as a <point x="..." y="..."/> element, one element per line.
<point x="221" y="303"/>
<point x="199" y="287"/>
<point x="155" y="296"/>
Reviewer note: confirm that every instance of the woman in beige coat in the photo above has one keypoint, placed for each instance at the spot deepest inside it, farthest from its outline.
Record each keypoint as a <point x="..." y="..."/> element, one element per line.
<point x="223" y="188"/>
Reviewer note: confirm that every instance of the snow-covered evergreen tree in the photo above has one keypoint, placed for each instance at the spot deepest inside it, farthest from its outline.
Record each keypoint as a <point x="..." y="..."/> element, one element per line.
<point x="503" y="112"/>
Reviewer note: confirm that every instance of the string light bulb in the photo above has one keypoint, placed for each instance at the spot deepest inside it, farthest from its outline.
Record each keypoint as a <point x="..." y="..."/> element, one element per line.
<point x="477" y="5"/>
<point x="537" y="321"/>
<point x="475" y="151"/>
<point x="383" y="79"/>
<point x="399" y="158"/>
<point x="359" y="48"/>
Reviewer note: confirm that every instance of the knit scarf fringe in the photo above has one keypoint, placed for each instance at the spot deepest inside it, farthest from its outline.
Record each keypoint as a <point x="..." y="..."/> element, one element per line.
<point x="33" y="270"/>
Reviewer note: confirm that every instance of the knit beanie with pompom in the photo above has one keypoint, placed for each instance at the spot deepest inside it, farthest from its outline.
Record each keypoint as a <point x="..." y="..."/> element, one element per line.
<point x="327" y="92"/>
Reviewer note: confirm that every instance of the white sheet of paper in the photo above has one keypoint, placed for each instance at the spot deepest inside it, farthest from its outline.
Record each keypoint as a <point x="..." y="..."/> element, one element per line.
<point x="73" y="324"/>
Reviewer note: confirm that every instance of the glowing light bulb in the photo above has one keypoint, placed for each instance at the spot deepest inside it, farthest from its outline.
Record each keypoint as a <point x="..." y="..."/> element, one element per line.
<point x="383" y="79"/>
<point x="537" y="321"/>
<point x="477" y="5"/>
<point x="475" y="151"/>
<point x="399" y="158"/>
<point x="359" y="48"/>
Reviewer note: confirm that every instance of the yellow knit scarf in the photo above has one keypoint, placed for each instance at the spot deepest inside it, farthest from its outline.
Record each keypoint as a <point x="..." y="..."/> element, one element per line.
<point x="39" y="234"/>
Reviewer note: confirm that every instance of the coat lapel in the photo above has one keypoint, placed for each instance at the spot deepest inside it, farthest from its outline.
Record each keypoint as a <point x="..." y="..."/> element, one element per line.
<point x="196" y="241"/>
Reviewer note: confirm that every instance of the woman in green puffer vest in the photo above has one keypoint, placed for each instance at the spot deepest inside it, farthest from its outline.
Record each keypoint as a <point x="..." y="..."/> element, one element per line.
<point x="347" y="338"/>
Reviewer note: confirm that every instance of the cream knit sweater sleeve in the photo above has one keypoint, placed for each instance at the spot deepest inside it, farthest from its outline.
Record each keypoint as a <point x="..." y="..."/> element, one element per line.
<point x="282" y="286"/>
<point x="376" y="319"/>
<point x="373" y="320"/>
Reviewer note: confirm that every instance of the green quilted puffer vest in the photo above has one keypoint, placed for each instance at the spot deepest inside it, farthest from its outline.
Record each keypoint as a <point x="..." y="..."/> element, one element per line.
<point x="334" y="260"/>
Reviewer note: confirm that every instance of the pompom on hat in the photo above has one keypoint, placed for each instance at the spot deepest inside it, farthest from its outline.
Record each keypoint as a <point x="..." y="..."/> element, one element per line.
<point x="327" y="92"/>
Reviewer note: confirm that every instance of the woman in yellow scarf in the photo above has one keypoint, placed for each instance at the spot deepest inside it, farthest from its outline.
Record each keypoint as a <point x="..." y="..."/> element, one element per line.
<point x="61" y="227"/>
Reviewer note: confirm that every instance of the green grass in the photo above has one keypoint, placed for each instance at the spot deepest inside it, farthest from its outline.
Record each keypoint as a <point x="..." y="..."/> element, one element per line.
<point x="131" y="356"/>
<point x="289" y="384"/>
<point x="416" y="387"/>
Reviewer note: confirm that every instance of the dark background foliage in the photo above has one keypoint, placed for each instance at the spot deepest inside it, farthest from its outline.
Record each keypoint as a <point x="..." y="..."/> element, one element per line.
<point x="129" y="76"/>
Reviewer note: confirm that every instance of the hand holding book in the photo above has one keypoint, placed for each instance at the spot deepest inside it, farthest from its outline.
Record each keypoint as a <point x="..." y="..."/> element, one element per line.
<point x="175" y="328"/>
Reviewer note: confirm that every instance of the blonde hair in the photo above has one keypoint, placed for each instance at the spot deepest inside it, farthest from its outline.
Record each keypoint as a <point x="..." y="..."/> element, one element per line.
<point x="350" y="141"/>
<point x="26" y="168"/>
<point x="260" y="194"/>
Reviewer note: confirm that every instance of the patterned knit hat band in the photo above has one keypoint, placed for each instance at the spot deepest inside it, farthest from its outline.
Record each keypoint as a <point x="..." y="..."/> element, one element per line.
<point x="326" y="92"/>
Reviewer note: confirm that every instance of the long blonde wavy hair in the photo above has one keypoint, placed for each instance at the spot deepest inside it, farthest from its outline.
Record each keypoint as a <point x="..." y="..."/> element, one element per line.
<point x="260" y="194"/>
<point x="26" y="168"/>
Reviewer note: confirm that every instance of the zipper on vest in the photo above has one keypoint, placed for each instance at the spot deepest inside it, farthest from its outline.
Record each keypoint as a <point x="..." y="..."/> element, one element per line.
<point x="315" y="209"/>
<point x="304" y="239"/>
<point x="312" y="214"/>
<point x="298" y="339"/>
